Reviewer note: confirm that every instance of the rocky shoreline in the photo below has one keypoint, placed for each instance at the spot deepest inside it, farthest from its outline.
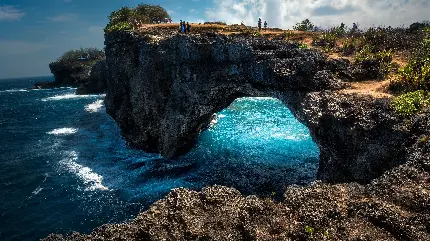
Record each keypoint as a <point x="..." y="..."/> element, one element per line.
<point x="87" y="78"/>
<point x="163" y="90"/>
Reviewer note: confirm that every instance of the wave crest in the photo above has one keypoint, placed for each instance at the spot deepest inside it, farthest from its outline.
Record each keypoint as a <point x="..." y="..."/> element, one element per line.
<point x="63" y="131"/>
<point x="95" y="106"/>
<point x="86" y="174"/>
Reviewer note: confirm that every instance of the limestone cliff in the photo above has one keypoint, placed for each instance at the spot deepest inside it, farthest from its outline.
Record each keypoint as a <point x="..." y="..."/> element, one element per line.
<point x="90" y="78"/>
<point x="163" y="91"/>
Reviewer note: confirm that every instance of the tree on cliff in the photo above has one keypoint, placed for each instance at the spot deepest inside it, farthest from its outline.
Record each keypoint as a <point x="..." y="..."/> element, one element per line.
<point x="90" y="55"/>
<point x="305" y="25"/>
<point x="126" y="18"/>
<point x="152" y="12"/>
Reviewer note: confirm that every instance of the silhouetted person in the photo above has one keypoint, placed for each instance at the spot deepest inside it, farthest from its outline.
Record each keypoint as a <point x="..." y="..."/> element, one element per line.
<point x="182" y="26"/>
<point x="188" y="28"/>
<point x="259" y="24"/>
<point x="265" y="25"/>
<point x="354" y="26"/>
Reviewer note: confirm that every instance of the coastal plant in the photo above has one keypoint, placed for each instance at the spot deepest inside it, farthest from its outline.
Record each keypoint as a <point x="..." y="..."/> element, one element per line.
<point x="416" y="74"/>
<point x="303" y="46"/>
<point x="309" y="230"/>
<point x="305" y="25"/>
<point x="339" y="31"/>
<point x="288" y="35"/>
<point x="326" y="40"/>
<point x="256" y="34"/>
<point x="151" y="13"/>
<point x="122" y="26"/>
<point x="127" y="18"/>
<point x="89" y="54"/>
<point x="370" y="56"/>
<point x="411" y="103"/>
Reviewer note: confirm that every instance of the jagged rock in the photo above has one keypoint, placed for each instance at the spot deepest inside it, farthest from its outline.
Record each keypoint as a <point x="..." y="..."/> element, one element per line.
<point x="97" y="80"/>
<point x="90" y="79"/>
<point x="164" y="90"/>
<point x="360" y="138"/>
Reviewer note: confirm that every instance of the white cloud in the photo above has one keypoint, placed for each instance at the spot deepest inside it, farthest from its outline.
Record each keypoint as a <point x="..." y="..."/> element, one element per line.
<point x="285" y="13"/>
<point x="95" y="29"/>
<point x="62" y="18"/>
<point x="17" y="47"/>
<point x="10" y="13"/>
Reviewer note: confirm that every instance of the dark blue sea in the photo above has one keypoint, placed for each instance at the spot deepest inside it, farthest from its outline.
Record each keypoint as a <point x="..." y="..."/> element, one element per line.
<point x="65" y="166"/>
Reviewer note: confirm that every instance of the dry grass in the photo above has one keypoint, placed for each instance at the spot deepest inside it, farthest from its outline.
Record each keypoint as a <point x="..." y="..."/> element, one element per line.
<point x="374" y="88"/>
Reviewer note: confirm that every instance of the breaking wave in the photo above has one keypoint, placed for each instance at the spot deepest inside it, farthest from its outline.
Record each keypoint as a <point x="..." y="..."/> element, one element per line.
<point x="68" y="97"/>
<point x="92" y="180"/>
<point x="95" y="106"/>
<point x="63" y="131"/>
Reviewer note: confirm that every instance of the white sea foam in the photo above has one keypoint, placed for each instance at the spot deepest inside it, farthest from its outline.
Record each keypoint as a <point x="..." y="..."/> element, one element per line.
<point x="92" y="180"/>
<point x="13" y="90"/>
<point x="288" y="136"/>
<point x="63" y="131"/>
<point x="221" y="116"/>
<point x="95" y="106"/>
<point x="68" y="97"/>
<point x="37" y="190"/>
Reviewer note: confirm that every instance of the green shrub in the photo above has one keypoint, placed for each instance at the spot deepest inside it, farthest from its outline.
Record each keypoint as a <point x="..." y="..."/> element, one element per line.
<point x="150" y="13"/>
<point x="411" y="103"/>
<point x="327" y="40"/>
<point x="121" y="26"/>
<point x="305" y="25"/>
<point x="127" y="18"/>
<point x="416" y="74"/>
<point x="369" y="55"/>
<point x="339" y="31"/>
<point x="91" y="54"/>
<point x="256" y="34"/>
<point x="303" y="46"/>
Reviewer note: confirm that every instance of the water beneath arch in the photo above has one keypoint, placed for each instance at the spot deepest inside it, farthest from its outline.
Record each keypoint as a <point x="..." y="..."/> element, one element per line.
<point x="65" y="166"/>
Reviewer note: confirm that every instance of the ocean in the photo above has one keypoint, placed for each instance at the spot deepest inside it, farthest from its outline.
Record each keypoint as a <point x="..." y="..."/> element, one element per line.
<point x="65" y="166"/>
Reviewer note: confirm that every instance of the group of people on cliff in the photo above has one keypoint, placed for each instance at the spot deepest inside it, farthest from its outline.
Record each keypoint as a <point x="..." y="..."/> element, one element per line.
<point x="184" y="27"/>
<point x="259" y="24"/>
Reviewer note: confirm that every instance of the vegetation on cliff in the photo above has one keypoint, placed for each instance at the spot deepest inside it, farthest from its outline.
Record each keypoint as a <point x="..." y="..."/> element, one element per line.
<point x="373" y="52"/>
<point x="78" y="58"/>
<point x="127" y="18"/>
<point x="73" y="67"/>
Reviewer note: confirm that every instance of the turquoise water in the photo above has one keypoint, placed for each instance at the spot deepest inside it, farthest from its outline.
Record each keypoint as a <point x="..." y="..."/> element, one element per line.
<point x="65" y="166"/>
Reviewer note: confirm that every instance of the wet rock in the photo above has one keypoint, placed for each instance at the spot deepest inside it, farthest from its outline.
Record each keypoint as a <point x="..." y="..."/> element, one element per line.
<point x="97" y="80"/>
<point x="163" y="91"/>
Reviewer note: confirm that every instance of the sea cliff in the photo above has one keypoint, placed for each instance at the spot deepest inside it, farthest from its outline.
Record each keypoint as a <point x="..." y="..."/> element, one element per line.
<point x="374" y="180"/>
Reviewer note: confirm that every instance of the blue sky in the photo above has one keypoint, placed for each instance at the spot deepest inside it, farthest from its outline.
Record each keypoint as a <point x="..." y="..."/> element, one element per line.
<point x="35" y="33"/>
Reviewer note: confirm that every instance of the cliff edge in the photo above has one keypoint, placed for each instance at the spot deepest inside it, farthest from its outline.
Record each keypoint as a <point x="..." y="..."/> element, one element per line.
<point x="163" y="90"/>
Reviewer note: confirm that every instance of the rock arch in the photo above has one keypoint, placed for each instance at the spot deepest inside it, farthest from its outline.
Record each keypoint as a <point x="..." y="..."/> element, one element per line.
<point x="163" y="91"/>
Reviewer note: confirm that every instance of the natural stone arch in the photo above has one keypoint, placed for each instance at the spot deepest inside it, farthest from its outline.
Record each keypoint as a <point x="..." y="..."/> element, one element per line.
<point x="162" y="93"/>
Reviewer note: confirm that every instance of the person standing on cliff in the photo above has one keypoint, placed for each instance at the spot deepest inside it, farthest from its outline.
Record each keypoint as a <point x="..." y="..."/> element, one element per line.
<point x="265" y="25"/>
<point x="259" y="24"/>
<point x="188" y="27"/>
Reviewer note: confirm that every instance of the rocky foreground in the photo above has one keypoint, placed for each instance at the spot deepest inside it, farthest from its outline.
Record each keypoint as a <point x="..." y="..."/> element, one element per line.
<point x="87" y="77"/>
<point x="395" y="206"/>
<point x="163" y="90"/>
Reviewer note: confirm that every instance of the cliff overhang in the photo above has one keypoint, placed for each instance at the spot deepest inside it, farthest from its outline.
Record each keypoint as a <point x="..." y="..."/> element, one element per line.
<point x="163" y="90"/>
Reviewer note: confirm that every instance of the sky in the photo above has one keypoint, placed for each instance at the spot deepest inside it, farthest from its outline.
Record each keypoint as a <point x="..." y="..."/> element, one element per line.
<point x="35" y="33"/>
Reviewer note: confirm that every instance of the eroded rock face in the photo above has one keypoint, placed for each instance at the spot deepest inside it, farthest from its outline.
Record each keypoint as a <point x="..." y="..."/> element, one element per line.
<point x="162" y="91"/>
<point x="90" y="79"/>
<point x="97" y="80"/>
<point x="395" y="206"/>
